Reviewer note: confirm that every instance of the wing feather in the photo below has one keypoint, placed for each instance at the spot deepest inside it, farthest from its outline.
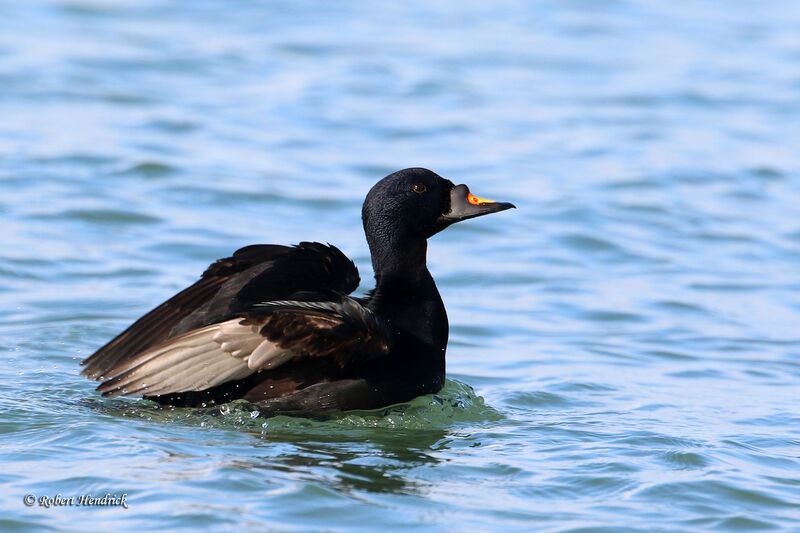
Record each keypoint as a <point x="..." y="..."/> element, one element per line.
<point x="254" y="273"/>
<point x="262" y="339"/>
<point x="190" y="362"/>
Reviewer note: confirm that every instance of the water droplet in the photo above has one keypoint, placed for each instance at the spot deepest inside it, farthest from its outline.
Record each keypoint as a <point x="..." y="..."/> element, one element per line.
<point x="204" y="404"/>
<point x="254" y="414"/>
<point x="224" y="409"/>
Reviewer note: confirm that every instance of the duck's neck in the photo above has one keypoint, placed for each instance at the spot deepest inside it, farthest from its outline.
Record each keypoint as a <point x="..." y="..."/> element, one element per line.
<point x="405" y="293"/>
<point x="399" y="261"/>
<point x="407" y="298"/>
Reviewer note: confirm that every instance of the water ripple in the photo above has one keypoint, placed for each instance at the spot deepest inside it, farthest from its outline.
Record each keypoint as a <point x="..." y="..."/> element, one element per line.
<point x="632" y="326"/>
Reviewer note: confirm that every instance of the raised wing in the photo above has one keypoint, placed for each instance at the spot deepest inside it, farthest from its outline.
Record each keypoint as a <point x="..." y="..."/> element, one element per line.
<point x="253" y="274"/>
<point x="340" y="331"/>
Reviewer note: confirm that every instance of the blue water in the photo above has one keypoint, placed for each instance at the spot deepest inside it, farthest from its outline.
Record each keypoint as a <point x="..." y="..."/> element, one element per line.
<point x="625" y="346"/>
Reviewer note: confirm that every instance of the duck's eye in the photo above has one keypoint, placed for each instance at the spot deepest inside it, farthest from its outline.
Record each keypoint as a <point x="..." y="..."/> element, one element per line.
<point x="419" y="188"/>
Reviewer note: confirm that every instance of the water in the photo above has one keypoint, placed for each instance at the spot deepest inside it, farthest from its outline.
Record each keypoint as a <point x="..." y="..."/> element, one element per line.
<point x="625" y="350"/>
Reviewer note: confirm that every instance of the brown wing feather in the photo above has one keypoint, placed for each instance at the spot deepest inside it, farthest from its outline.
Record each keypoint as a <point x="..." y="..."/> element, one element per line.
<point x="264" y="271"/>
<point x="342" y="330"/>
<point x="264" y="339"/>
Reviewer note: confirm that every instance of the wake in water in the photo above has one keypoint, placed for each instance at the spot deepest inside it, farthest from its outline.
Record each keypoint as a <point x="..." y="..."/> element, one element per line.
<point x="456" y="403"/>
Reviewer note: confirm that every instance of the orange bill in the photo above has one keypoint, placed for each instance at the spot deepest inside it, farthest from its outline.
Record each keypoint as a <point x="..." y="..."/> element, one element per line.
<point x="474" y="200"/>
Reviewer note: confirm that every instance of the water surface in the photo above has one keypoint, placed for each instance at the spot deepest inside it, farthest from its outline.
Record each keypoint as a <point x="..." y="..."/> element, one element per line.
<point x="625" y="349"/>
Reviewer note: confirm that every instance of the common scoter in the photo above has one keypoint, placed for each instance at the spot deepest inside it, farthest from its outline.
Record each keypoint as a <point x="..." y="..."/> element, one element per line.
<point x="275" y="325"/>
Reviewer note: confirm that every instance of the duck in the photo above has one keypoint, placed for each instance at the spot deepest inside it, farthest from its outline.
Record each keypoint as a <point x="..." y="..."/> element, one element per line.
<point x="278" y="325"/>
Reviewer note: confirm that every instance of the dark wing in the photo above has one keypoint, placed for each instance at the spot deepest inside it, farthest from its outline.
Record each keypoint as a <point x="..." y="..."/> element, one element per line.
<point x="255" y="273"/>
<point x="341" y="331"/>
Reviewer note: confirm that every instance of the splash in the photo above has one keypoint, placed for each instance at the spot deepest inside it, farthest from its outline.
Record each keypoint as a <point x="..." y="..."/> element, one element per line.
<point x="456" y="404"/>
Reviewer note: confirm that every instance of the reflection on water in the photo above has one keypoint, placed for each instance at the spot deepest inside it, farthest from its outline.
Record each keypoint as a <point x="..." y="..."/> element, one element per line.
<point x="381" y="464"/>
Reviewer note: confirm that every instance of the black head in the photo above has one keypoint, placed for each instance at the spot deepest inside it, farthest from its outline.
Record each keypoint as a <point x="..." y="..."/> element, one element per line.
<point x="416" y="203"/>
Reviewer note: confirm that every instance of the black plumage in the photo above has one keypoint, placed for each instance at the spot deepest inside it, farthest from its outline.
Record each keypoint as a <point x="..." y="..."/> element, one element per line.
<point x="275" y="325"/>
